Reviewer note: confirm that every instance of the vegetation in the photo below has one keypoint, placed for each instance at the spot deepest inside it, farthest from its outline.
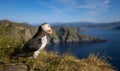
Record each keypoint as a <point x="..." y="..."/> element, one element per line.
<point x="68" y="34"/>
<point x="16" y="30"/>
<point x="47" y="61"/>
<point x="7" y="46"/>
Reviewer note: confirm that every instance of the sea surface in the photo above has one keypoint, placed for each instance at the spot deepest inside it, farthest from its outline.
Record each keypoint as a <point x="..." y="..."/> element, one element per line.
<point x="109" y="49"/>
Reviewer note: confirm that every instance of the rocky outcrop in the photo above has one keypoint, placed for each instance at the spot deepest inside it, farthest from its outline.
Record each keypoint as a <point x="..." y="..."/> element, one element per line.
<point x="60" y="34"/>
<point x="68" y="34"/>
<point x="25" y="32"/>
<point x="18" y="67"/>
<point x="86" y="38"/>
<point x="17" y="30"/>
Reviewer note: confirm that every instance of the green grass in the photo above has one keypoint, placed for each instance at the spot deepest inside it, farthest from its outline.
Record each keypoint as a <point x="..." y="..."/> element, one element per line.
<point x="7" y="46"/>
<point x="49" y="61"/>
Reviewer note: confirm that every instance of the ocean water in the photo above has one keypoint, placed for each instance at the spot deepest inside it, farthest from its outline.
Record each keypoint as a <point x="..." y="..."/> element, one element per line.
<point x="110" y="49"/>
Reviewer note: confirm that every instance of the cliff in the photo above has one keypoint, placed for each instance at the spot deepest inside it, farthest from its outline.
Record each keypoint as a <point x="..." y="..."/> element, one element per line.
<point x="68" y="34"/>
<point x="16" y="30"/>
<point x="60" y="34"/>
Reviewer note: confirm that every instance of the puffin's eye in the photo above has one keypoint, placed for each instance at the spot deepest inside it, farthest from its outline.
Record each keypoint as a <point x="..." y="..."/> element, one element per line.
<point x="48" y="26"/>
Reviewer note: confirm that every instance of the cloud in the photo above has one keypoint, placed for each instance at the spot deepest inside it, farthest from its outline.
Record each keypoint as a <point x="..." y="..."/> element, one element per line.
<point x="95" y="7"/>
<point x="90" y="7"/>
<point x="106" y="1"/>
<point x="61" y="5"/>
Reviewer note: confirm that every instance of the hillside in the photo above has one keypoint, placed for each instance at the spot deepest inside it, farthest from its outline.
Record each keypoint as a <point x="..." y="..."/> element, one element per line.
<point x="91" y="25"/>
<point x="69" y="34"/>
<point x="49" y="61"/>
<point x="13" y="36"/>
<point x="25" y="31"/>
<point x="16" y="30"/>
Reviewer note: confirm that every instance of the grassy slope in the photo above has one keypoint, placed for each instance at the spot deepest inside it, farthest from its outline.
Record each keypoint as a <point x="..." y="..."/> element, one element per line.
<point x="49" y="61"/>
<point x="53" y="62"/>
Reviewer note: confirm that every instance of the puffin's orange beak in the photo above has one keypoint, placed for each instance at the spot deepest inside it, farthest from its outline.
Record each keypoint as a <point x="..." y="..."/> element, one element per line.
<point x="50" y="31"/>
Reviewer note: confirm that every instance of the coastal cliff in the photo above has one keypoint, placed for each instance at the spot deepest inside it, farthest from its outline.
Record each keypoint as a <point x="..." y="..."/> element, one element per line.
<point x="61" y="34"/>
<point x="68" y="34"/>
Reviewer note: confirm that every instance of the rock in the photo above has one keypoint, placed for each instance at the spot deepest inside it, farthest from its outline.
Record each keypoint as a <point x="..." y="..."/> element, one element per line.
<point x="100" y="40"/>
<point x="68" y="34"/>
<point x="17" y="30"/>
<point x="86" y="38"/>
<point x="18" y="67"/>
<point x="24" y="32"/>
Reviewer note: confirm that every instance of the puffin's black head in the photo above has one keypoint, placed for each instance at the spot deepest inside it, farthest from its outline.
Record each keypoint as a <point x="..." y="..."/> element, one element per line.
<point x="46" y="27"/>
<point x="42" y="30"/>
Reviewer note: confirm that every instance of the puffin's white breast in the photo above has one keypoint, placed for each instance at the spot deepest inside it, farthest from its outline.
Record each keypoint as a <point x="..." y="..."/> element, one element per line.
<point x="44" y="42"/>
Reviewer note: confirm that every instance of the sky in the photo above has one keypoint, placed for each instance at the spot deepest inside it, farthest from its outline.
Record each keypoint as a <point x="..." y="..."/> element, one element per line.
<point x="54" y="11"/>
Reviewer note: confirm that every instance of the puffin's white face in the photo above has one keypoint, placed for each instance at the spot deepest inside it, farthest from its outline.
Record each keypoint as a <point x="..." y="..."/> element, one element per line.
<point x="46" y="27"/>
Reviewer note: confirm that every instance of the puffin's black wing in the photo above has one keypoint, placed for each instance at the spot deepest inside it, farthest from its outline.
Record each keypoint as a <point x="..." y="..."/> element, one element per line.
<point x="32" y="45"/>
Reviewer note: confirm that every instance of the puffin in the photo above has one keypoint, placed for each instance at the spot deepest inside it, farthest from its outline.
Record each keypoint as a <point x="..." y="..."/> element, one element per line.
<point x="34" y="45"/>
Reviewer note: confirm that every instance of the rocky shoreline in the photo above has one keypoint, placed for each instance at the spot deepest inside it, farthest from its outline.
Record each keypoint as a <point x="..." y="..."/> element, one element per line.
<point x="68" y="35"/>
